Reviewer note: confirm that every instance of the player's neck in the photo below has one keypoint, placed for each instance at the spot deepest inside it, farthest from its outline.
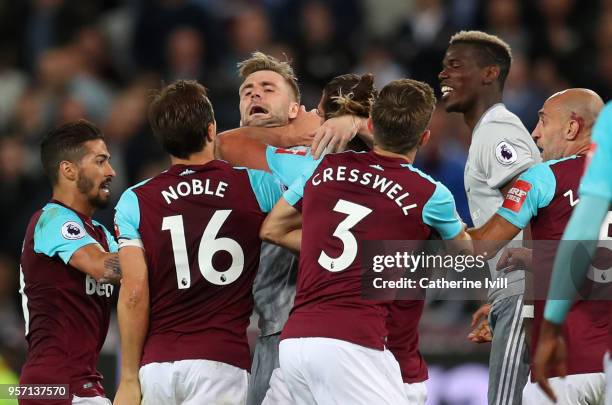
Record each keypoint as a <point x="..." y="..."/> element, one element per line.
<point x="74" y="200"/>
<point x="408" y="157"/>
<point x="581" y="148"/>
<point x="198" y="158"/>
<point x="480" y="106"/>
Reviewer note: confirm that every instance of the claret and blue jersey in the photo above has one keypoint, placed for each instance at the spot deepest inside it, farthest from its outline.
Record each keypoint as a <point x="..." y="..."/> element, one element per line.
<point x="544" y="196"/>
<point x="66" y="311"/>
<point x="199" y="228"/>
<point x="346" y="198"/>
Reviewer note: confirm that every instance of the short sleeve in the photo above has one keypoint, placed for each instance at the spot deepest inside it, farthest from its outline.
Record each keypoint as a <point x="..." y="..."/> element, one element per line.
<point x="127" y="219"/>
<point x="296" y="191"/>
<point x="532" y="191"/>
<point x="113" y="247"/>
<point x="597" y="179"/>
<point x="266" y="188"/>
<point x="288" y="164"/>
<point x="505" y="151"/>
<point x="440" y="213"/>
<point x="60" y="232"/>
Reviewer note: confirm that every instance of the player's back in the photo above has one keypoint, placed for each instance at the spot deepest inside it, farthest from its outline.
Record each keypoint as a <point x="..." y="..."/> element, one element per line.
<point x="352" y="197"/>
<point x="66" y="311"/>
<point x="199" y="226"/>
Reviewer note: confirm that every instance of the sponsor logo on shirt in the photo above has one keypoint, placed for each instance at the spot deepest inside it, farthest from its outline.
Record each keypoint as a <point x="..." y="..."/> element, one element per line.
<point x="297" y="152"/>
<point x="92" y="287"/>
<point x="517" y="195"/>
<point x="505" y="153"/>
<point x="72" y="230"/>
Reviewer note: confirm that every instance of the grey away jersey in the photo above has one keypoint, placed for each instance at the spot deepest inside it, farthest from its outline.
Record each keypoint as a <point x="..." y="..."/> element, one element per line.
<point x="501" y="149"/>
<point x="274" y="285"/>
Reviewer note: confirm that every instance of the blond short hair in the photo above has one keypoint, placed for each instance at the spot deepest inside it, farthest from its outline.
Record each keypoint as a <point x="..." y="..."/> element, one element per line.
<point x="260" y="61"/>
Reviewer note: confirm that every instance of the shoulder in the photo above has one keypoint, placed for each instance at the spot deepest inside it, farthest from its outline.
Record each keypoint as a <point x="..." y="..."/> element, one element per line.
<point x="426" y="183"/>
<point x="540" y="171"/>
<point x="56" y="224"/>
<point x="500" y="123"/>
<point x="426" y="178"/>
<point x="54" y="215"/>
<point x="131" y="192"/>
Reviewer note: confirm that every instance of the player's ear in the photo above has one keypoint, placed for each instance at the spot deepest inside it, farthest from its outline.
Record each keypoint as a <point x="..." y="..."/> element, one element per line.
<point x="572" y="131"/>
<point x="68" y="170"/>
<point x="424" y="138"/>
<point x="294" y="108"/>
<point x="490" y="74"/>
<point x="370" y="125"/>
<point x="212" y="131"/>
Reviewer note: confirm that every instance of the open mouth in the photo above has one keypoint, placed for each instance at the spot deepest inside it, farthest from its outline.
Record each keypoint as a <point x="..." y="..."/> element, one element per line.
<point x="106" y="186"/>
<point x="446" y="90"/>
<point x="257" y="109"/>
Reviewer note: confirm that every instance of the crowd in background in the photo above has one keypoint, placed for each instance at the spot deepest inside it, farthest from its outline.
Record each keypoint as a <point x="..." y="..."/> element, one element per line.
<point x="61" y="60"/>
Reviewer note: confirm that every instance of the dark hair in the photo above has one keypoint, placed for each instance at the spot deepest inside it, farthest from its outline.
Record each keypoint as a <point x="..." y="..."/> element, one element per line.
<point x="490" y="50"/>
<point x="180" y="115"/>
<point x="349" y="94"/>
<point x="66" y="143"/>
<point x="401" y="114"/>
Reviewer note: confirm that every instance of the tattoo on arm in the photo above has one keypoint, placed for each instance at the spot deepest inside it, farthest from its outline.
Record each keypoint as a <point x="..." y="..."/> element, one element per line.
<point x="112" y="271"/>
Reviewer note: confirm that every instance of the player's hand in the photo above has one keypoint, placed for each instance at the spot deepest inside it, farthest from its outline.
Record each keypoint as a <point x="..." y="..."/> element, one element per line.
<point x="128" y="393"/>
<point x="551" y="354"/>
<point x="335" y="134"/>
<point x="515" y="258"/>
<point x="481" y="331"/>
<point x="302" y="128"/>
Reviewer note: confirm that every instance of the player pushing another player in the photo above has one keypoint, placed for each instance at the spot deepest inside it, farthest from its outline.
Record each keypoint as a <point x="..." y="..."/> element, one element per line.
<point x="583" y="231"/>
<point x="332" y="348"/>
<point x="189" y="240"/>
<point x="544" y="196"/>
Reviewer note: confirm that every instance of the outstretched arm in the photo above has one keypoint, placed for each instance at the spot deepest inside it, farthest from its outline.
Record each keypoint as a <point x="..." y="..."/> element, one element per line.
<point x="102" y="266"/>
<point x="493" y="235"/>
<point x="245" y="146"/>
<point x="283" y="226"/>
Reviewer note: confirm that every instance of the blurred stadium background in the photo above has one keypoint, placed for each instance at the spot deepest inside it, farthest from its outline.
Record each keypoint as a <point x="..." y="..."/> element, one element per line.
<point x="65" y="59"/>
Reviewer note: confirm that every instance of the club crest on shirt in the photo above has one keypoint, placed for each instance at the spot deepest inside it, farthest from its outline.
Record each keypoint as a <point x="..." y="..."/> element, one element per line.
<point x="505" y="153"/>
<point x="72" y="230"/>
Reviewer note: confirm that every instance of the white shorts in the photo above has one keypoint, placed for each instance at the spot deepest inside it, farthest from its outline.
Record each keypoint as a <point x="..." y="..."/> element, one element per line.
<point x="608" y="370"/>
<point x="90" y="401"/>
<point x="193" y="382"/>
<point x="278" y="392"/>
<point x="416" y="393"/>
<point x="575" y="389"/>
<point x="321" y="371"/>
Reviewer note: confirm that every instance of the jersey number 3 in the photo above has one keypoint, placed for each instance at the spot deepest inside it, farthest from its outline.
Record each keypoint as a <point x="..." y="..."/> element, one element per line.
<point x="355" y="214"/>
<point x="209" y="245"/>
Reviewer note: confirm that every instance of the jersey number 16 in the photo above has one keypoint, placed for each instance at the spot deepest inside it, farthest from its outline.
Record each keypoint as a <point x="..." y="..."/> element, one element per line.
<point x="209" y="245"/>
